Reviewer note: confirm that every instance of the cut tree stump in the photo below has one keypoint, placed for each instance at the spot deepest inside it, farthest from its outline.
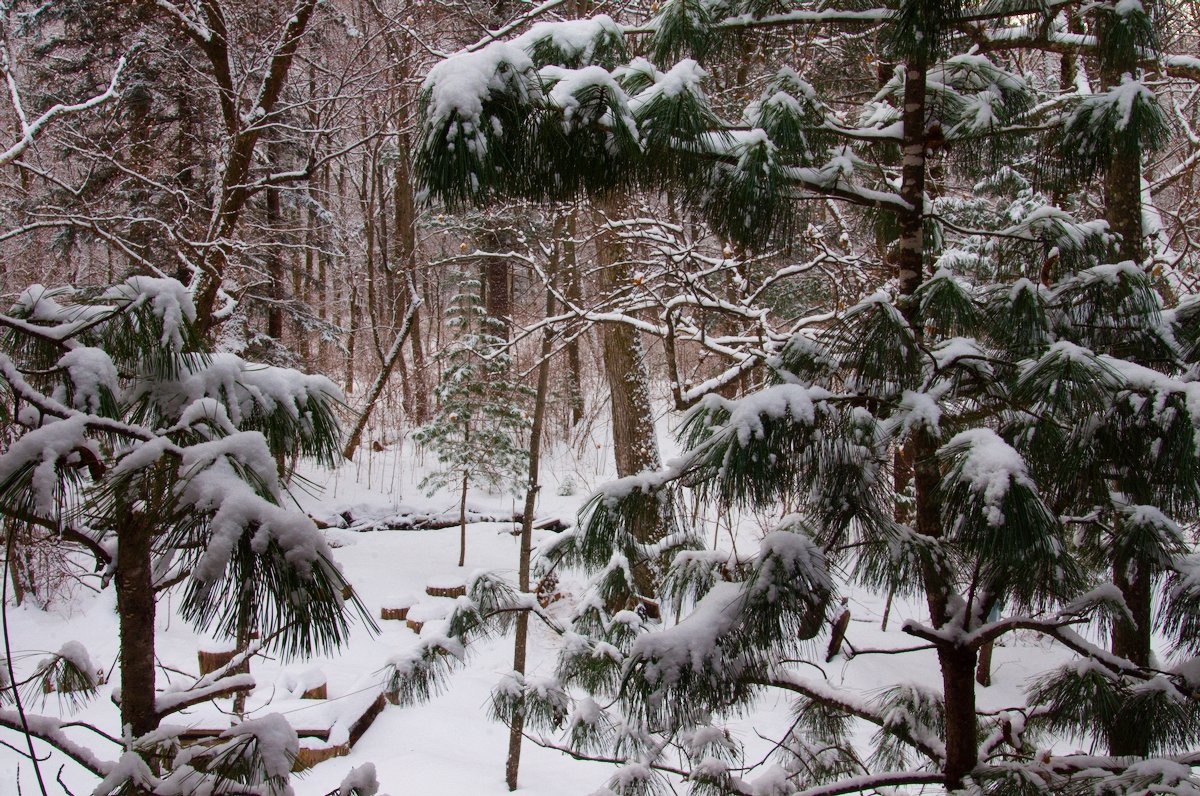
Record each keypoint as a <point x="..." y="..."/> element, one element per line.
<point x="396" y="607"/>
<point x="451" y="586"/>
<point x="308" y="756"/>
<point x="211" y="660"/>
<point x="424" y="612"/>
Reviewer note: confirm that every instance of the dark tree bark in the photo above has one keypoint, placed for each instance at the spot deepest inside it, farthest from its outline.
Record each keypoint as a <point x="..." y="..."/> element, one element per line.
<point x="635" y="444"/>
<point x="1123" y="210"/>
<point x="351" y="338"/>
<point x="1131" y="640"/>
<point x="574" y="293"/>
<point x="958" y="683"/>
<point x="983" y="671"/>
<point x="246" y="630"/>
<point x="462" y="521"/>
<point x="405" y="257"/>
<point x="496" y="273"/>
<point x="278" y="288"/>
<point x="136" y="608"/>
<point x="957" y="662"/>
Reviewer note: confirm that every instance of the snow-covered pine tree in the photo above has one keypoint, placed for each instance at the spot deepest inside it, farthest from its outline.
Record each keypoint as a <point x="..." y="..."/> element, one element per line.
<point x="1050" y="456"/>
<point x="948" y="365"/>
<point x="159" y="459"/>
<point x="1103" y="139"/>
<point x="478" y="431"/>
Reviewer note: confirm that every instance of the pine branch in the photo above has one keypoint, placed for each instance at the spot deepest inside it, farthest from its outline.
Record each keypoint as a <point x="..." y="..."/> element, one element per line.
<point x="49" y="730"/>
<point x="846" y="703"/>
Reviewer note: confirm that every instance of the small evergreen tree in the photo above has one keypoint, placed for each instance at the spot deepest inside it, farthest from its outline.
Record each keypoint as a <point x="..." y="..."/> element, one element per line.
<point x="477" y="433"/>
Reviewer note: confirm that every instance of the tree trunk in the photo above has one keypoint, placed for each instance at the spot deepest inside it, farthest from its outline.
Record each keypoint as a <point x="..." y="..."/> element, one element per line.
<point x="1132" y="642"/>
<point x="381" y="380"/>
<point x="574" y="293"/>
<point x="1123" y="210"/>
<point x="462" y="521"/>
<point x="351" y="336"/>
<point x="1123" y="205"/>
<point x="420" y="376"/>
<point x="983" y="671"/>
<point x="135" y="607"/>
<point x="635" y="442"/>
<point x="367" y="201"/>
<point x="1069" y="66"/>
<point x="957" y="663"/>
<point x="497" y="290"/>
<point x="912" y="188"/>
<point x="405" y="223"/>
<point x="515" y="732"/>
<point x="11" y="559"/>
<point x="1123" y="179"/>
<point x="958" y="682"/>
<point x="277" y="290"/>
<point x="245" y="631"/>
<point x="497" y="299"/>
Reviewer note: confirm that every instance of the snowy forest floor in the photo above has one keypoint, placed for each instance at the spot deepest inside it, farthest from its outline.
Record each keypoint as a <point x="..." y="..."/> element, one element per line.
<point x="449" y="746"/>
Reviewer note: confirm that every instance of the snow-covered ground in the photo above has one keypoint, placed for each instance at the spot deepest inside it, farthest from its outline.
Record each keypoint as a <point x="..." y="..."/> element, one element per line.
<point x="447" y="746"/>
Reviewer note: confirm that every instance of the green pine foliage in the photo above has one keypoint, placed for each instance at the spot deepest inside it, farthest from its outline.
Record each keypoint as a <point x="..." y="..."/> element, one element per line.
<point x="537" y="120"/>
<point x="1125" y="120"/>
<point x="127" y="425"/>
<point x="1047" y="433"/>
<point x="991" y="442"/>
<point x="480" y="426"/>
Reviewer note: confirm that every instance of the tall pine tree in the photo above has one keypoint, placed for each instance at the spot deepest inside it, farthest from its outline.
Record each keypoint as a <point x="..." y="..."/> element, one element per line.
<point x="999" y="382"/>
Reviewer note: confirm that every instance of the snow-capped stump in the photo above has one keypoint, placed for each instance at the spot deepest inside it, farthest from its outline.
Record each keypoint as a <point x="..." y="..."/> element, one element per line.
<point x="429" y="611"/>
<point x="446" y="586"/>
<point x="307" y="684"/>
<point x="349" y="725"/>
<point x="396" y="607"/>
